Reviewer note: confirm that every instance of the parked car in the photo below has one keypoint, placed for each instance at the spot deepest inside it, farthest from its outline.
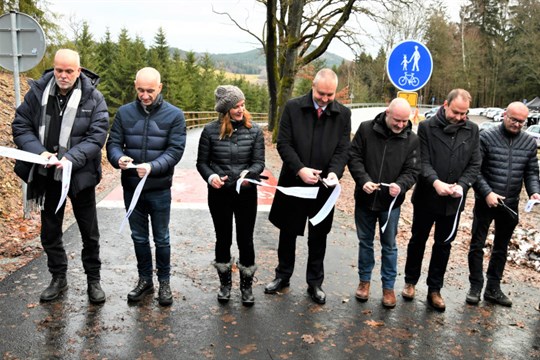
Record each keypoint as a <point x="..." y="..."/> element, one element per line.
<point x="534" y="131"/>
<point x="491" y="112"/>
<point x="533" y="118"/>
<point x="486" y="125"/>
<point x="499" y="115"/>
<point x="484" y="111"/>
<point x="431" y="112"/>
<point x="476" y="111"/>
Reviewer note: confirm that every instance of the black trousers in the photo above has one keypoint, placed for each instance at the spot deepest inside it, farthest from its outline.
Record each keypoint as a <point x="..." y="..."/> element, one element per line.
<point x="316" y="252"/>
<point x="504" y="227"/>
<point x="223" y="204"/>
<point x="84" y="209"/>
<point x="440" y="253"/>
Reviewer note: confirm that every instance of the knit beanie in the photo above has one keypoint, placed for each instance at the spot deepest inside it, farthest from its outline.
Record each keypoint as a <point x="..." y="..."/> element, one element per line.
<point x="227" y="96"/>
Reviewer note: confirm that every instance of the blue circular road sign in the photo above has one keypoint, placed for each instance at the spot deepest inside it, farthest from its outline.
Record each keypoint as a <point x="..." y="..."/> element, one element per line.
<point x="409" y="65"/>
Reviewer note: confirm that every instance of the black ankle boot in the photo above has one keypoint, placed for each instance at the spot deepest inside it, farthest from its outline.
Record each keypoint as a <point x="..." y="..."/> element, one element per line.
<point x="246" y="281"/>
<point x="56" y="287"/>
<point x="143" y="287"/>
<point x="225" y="279"/>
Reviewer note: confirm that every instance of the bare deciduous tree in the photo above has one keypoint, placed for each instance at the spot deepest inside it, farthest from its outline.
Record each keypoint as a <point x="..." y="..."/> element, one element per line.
<point x="296" y="32"/>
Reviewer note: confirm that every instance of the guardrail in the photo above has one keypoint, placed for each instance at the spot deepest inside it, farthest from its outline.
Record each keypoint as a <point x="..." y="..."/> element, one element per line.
<point x="370" y="105"/>
<point x="196" y="119"/>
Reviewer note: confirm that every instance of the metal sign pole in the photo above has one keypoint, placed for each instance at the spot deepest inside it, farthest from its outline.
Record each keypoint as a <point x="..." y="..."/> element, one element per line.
<point x="17" y="89"/>
<point x="26" y="51"/>
<point x="15" y="52"/>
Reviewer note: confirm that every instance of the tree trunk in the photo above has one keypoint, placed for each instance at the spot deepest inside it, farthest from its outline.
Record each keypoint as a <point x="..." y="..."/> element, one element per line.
<point x="288" y="60"/>
<point x="271" y="53"/>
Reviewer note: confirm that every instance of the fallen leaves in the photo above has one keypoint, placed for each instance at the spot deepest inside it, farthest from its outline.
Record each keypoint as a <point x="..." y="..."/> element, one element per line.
<point x="374" y="323"/>
<point x="308" y="339"/>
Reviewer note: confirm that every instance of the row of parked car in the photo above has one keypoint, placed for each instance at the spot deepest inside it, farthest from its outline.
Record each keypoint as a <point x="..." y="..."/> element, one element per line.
<point x="496" y="115"/>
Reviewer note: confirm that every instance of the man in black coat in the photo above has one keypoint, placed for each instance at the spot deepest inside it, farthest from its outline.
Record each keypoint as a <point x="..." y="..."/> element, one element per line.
<point x="450" y="162"/>
<point x="313" y="142"/>
<point x="64" y="115"/>
<point x="509" y="159"/>
<point x="384" y="162"/>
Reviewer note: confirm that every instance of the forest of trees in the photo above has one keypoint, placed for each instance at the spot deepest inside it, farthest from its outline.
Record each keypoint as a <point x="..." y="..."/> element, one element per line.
<point x="492" y="51"/>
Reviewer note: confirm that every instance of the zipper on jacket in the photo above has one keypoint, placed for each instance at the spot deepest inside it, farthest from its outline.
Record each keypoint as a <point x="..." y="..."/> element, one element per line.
<point x="145" y="138"/>
<point x="509" y="174"/>
<point x="380" y="173"/>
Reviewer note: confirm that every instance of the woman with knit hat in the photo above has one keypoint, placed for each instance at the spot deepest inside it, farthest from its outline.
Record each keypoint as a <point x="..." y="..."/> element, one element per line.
<point x="230" y="148"/>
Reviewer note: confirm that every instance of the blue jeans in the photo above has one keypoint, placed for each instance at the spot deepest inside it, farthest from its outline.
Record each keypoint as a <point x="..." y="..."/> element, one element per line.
<point x="365" y="228"/>
<point x="157" y="206"/>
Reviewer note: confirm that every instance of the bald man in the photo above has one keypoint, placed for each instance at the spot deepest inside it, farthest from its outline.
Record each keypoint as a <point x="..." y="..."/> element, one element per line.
<point x="64" y="115"/>
<point x="384" y="160"/>
<point x="509" y="159"/>
<point x="150" y="133"/>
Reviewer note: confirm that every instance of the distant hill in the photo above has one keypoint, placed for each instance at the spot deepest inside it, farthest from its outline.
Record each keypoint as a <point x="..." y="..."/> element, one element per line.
<point x="252" y="62"/>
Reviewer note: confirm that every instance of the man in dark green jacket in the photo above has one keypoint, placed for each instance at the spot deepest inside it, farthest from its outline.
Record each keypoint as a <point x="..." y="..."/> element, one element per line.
<point x="384" y="161"/>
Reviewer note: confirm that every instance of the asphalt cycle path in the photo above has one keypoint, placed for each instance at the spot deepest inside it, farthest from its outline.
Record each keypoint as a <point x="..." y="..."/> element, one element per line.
<point x="287" y="325"/>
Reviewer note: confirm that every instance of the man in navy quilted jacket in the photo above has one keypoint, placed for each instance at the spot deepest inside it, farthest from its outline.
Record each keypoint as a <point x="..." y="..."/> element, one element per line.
<point x="509" y="159"/>
<point x="151" y="134"/>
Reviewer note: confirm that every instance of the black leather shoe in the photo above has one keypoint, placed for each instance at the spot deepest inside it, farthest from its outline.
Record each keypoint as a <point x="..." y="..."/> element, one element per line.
<point x="55" y="288"/>
<point x="164" y="294"/>
<point x="317" y="294"/>
<point x="275" y="285"/>
<point x="143" y="287"/>
<point x="96" y="295"/>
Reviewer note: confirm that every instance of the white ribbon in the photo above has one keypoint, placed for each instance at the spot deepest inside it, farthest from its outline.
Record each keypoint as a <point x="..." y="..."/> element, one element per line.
<point x="389" y="210"/>
<point x="530" y="204"/>
<point x="38" y="159"/>
<point x="302" y="192"/>
<point x="135" y="198"/>
<point x="455" y="221"/>
<point x="296" y="191"/>
<point x="66" y="181"/>
<point x="327" y="207"/>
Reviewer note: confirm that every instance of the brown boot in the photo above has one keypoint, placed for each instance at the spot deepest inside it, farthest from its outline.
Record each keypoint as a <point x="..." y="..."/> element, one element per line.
<point x="389" y="298"/>
<point x="408" y="291"/>
<point x="436" y="301"/>
<point x="362" y="292"/>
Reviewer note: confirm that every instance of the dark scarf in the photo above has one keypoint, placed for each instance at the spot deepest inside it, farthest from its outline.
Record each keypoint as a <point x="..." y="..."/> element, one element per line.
<point x="448" y="128"/>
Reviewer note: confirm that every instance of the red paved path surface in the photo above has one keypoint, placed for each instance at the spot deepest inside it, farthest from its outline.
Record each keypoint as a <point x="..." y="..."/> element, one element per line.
<point x="189" y="188"/>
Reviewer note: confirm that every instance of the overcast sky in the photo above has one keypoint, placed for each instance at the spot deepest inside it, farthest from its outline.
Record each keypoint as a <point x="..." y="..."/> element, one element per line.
<point x="189" y="25"/>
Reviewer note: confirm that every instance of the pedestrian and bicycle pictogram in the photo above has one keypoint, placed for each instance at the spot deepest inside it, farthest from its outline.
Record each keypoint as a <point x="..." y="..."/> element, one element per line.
<point x="409" y="65"/>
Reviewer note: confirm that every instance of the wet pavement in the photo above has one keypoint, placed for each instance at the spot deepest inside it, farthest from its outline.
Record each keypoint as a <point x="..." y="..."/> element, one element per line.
<point x="282" y="326"/>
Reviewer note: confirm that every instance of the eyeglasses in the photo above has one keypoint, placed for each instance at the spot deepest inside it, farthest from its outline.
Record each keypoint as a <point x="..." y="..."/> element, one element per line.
<point x="516" y="121"/>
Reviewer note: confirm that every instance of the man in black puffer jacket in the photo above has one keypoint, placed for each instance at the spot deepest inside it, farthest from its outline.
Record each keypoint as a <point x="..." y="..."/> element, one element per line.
<point x="508" y="160"/>
<point x="64" y="115"/>
<point x="150" y="133"/>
